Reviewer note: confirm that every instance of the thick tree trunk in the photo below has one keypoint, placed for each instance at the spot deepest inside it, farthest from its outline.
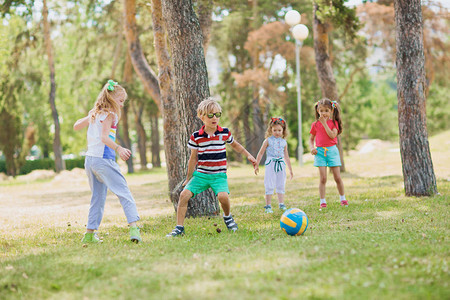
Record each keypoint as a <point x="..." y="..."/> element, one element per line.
<point x="418" y="173"/>
<point x="324" y="68"/>
<point x="154" y="137"/>
<point x="127" y="78"/>
<point x="169" y="107"/>
<point x="205" y="8"/>
<point x="57" y="148"/>
<point x="190" y="82"/>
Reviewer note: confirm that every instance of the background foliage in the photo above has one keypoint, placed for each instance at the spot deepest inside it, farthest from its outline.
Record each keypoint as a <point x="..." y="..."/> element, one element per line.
<point x="90" y="48"/>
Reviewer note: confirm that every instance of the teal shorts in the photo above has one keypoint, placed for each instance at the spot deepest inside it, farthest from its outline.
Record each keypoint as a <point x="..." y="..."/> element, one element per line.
<point x="327" y="157"/>
<point x="201" y="182"/>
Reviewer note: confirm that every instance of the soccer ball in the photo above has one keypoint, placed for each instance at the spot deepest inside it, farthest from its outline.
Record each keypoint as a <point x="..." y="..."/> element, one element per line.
<point x="294" y="221"/>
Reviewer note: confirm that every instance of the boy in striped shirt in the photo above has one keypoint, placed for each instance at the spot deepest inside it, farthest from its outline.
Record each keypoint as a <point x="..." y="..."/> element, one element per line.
<point x="208" y="153"/>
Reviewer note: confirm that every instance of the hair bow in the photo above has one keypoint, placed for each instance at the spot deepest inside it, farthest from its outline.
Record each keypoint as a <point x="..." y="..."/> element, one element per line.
<point x="333" y="103"/>
<point x="111" y="84"/>
<point x="277" y="119"/>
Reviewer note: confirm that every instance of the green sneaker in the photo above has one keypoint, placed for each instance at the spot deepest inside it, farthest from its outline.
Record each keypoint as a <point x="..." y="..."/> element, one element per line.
<point x="282" y="206"/>
<point x="91" y="237"/>
<point x="135" y="235"/>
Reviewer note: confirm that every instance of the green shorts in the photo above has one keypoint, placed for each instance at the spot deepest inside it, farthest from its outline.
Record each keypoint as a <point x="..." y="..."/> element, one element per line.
<point x="327" y="157"/>
<point x="201" y="182"/>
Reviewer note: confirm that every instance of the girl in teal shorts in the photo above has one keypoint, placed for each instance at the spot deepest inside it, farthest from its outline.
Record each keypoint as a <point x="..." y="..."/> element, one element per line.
<point x="324" y="132"/>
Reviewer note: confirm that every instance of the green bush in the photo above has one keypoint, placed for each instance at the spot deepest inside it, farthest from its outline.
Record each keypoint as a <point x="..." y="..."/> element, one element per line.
<point x="44" y="164"/>
<point x="2" y="166"/>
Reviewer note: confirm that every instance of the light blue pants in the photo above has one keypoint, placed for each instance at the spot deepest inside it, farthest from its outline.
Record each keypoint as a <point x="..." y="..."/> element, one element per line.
<point x="104" y="174"/>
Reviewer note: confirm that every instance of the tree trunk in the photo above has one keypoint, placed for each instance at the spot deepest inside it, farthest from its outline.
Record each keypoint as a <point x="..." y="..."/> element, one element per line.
<point x="324" y="68"/>
<point x="236" y="126"/>
<point x="257" y="117"/>
<point x="138" y="109"/>
<point x="127" y="78"/>
<point x="190" y="82"/>
<point x="9" y="133"/>
<point x="258" y="124"/>
<point x="57" y="149"/>
<point x="118" y="49"/>
<point x="140" y="64"/>
<point x="169" y="107"/>
<point x="154" y="137"/>
<point x="418" y="173"/>
<point x="247" y="129"/>
<point x="205" y="8"/>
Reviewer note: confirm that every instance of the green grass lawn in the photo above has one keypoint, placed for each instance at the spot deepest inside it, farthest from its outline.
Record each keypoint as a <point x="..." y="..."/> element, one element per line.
<point x="383" y="246"/>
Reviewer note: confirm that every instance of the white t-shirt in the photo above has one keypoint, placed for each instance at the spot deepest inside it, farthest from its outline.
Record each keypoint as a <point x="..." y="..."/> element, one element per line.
<point x="96" y="147"/>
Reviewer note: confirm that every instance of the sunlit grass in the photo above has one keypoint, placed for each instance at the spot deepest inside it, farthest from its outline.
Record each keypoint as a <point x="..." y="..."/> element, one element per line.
<point x="383" y="246"/>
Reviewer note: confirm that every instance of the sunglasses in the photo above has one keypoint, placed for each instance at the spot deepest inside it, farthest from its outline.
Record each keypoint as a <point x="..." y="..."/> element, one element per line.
<point x="217" y="114"/>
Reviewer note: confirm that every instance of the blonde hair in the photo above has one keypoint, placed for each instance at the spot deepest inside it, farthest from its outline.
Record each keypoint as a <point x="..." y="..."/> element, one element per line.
<point x="206" y="106"/>
<point x="277" y="121"/>
<point x="106" y="100"/>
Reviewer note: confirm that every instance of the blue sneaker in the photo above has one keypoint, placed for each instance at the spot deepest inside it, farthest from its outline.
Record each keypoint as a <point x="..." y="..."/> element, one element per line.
<point x="178" y="231"/>
<point x="282" y="206"/>
<point x="231" y="224"/>
<point x="268" y="209"/>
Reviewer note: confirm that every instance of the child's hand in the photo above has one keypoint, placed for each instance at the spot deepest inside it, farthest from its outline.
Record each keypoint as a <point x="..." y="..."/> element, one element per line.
<point x="314" y="151"/>
<point x="292" y="174"/>
<point x="124" y="153"/>
<point x="252" y="160"/>
<point x="256" y="169"/>
<point x="322" y="120"/>
<point x="186" y="182"/>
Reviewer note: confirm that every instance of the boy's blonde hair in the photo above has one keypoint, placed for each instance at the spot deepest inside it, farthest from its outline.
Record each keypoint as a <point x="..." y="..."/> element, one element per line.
<point x="106" y="100"/>
<point x="206" y="106"/>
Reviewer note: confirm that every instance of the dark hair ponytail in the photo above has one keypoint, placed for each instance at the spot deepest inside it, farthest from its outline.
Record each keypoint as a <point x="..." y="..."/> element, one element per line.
<point x="334" y="107"/>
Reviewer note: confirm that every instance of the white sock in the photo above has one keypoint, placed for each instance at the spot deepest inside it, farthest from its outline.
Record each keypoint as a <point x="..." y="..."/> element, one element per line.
<point x="227" y="216"/>
<point x="342" y="197"/>
<point x="323" y="201"/>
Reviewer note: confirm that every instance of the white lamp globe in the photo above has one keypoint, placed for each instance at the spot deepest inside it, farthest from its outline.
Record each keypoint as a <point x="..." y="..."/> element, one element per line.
<point x="300" y="32"/>
<point x="292" y="17"/>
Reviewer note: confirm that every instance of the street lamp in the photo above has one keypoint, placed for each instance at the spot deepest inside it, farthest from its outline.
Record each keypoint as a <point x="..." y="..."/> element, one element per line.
<point x="300" y="33"/>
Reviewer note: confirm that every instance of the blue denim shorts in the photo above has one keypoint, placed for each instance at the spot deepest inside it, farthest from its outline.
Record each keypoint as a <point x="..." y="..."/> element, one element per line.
<point x="327" y="157"/>
<point x="201" y="182"/>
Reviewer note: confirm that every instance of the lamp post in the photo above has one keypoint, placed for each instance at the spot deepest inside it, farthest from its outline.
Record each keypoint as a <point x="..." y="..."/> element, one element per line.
<point x="300" y="33"/>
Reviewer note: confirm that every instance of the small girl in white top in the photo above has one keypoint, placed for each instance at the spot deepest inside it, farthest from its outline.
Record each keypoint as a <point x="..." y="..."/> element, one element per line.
<point x="100" y="164"/>
<point x="277" y="158"/>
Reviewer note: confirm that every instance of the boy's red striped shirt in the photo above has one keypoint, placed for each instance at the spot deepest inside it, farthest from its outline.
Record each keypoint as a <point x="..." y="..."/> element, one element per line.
<point x="212" y="157"/>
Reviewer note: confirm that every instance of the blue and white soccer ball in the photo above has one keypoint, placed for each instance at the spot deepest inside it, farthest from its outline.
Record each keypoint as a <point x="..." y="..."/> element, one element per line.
<point x="294" y="221"/>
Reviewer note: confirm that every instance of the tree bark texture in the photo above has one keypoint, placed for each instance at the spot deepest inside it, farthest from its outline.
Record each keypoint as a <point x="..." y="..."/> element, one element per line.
<point x="324" y="67"/>
<point x="138" y="109"/>
<point x="57" y="148"/>
<point x="154" y="137"/>
<point x="205" y="8"/>
<point x="418" y="173"/>
<point x="140" y="64"/>
<point x="127" y="78"/>
<point x="190" y="83"/>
